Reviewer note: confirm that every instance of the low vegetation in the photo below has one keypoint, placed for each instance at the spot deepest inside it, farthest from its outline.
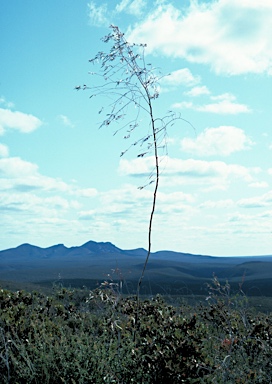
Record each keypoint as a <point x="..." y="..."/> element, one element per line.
<point x="82" y="336"/>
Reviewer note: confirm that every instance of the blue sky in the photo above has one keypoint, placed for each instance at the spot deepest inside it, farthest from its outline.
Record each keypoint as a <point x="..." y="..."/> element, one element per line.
<point x="61" y="177"/>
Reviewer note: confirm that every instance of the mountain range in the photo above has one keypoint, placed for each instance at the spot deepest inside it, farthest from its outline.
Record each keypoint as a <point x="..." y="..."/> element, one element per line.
<point x="94" y="262"/>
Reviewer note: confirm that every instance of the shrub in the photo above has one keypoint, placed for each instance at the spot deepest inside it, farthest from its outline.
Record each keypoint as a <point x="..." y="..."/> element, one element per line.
<point x="58" y="339"/>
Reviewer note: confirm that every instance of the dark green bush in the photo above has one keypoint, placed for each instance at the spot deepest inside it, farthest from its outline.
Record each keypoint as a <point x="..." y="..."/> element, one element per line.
<point x="101" y="337"/>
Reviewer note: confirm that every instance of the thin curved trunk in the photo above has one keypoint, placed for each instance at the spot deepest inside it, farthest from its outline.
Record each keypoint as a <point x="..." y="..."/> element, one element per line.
<point x="154" y="199"/>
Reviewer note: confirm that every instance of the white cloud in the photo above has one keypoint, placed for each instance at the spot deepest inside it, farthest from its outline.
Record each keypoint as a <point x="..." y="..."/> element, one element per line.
<point x="201" y="168"/>
<point x="184" y="105"/>
<point x="126" y="196"/>
<point x="103" y="14"/>
<point x="198" y="91"/>
<point x="259" y="184"/>
<point x="175" y="197"/>
<point x="87" y="214"/>
<point x="225" y="105"/>
<point x="224" y="96"/>
<point x="231" y="36"/>
<point x="134" y="7"/>
<point x="141" y="167"/>
<point x="7" y="104"/>
<point x="221" y="204"/>
<point x="98" y="14"/>
<point x="215" y="174"/>
<point x="66" y="121"/>
<point x="23" y="122"/>
<point x="24" y="176"/>
<point x="4" y="151"/>
<point x="86" y="192"/>
<point x="137" y="7"/>
<point x="222" y="141"/>
<point x="122" y="5"/>
<point x="257" y="202"/>
<point x="16" y="167"/>
<point x="129" y="203"/>
<point x="181" y="77"/>
<point x="125" y="203"/>
<point x="33" y="204"/>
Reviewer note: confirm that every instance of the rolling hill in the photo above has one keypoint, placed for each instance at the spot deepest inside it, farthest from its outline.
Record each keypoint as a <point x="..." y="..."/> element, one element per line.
<point x="92" y="263"/>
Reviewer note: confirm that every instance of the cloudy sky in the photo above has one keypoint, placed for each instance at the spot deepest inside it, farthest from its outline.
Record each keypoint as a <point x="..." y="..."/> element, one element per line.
<point x="62" y="179"/>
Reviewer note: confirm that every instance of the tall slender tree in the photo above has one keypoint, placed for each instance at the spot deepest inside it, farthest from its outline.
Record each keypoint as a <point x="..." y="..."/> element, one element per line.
<point x="132" y="87"/>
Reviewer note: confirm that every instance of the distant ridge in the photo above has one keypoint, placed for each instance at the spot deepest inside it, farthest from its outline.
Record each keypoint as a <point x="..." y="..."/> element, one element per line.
<point x="108" y="247"/>
<point x="101" y="247"/>
<point x="101" y="260"/>
<point x="28" y="251"/>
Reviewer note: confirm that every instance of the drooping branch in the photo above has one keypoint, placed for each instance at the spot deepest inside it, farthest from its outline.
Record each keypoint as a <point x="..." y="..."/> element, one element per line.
<point x="132" y="86"/>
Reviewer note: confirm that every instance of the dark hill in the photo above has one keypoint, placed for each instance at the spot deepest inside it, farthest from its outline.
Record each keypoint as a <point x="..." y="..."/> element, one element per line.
<point x="98" y="261"/>
<point x="101" y="247"/>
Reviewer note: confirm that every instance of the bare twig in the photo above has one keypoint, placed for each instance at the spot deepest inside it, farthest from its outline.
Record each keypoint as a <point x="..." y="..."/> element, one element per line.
<point x="132" y="86"/>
